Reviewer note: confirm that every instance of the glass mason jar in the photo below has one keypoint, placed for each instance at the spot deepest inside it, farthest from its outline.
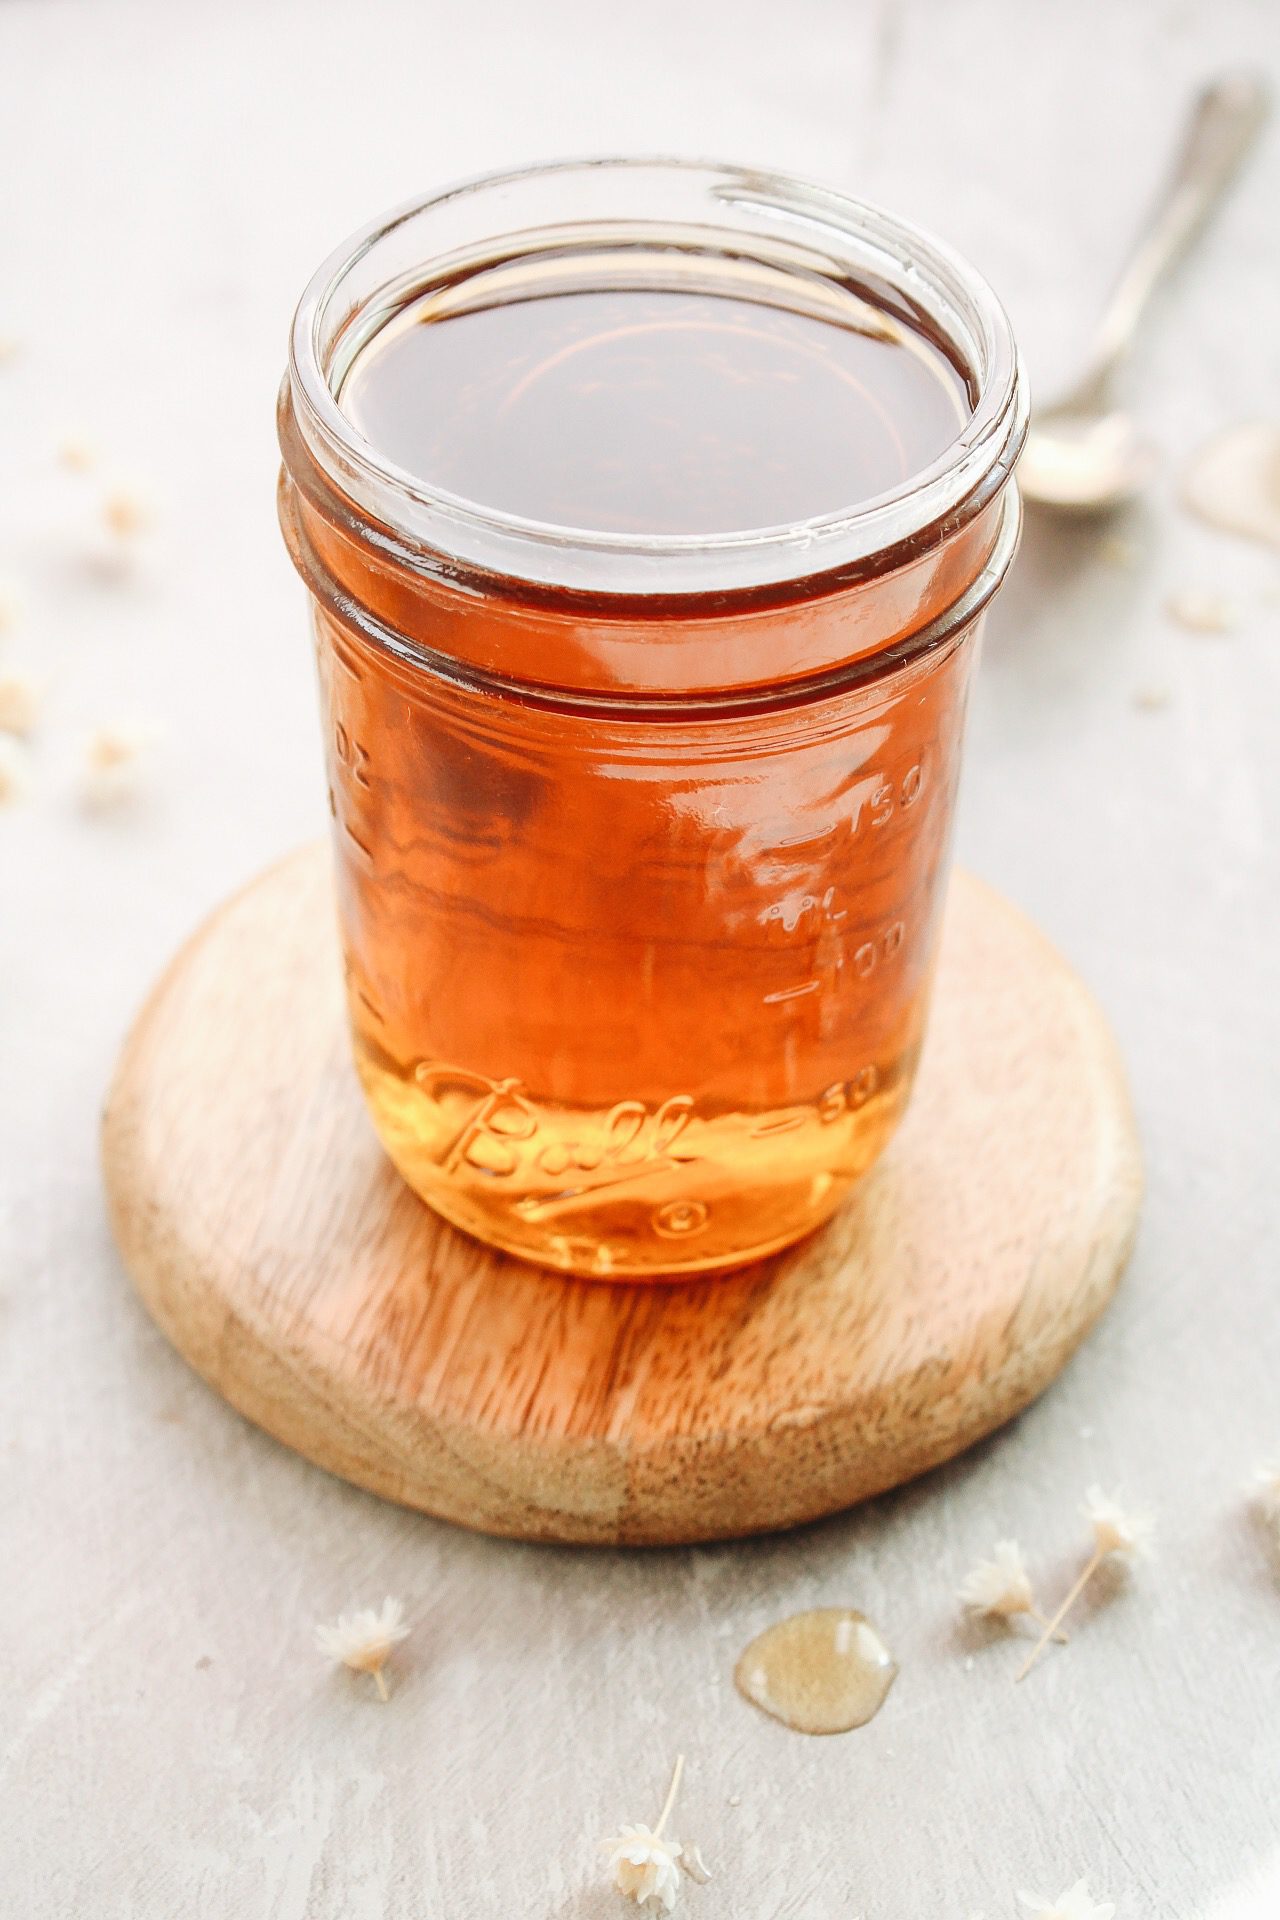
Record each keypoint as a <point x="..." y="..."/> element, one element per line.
<point x="641" y="839"/>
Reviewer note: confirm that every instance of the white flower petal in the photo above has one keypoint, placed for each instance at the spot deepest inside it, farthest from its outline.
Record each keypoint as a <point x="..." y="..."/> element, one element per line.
<point x="13" y="770"/>
<point x="999" y="1586"/>
<point x="643" y="1864"/>
<point x="116" y="761"/>
<point x="1074" y="1903"/>
<point x="1115" y="1528"/>
<point x="363" y="1640"/>
<point x="1264" y="1487"/>
<point x="19" y="704"/>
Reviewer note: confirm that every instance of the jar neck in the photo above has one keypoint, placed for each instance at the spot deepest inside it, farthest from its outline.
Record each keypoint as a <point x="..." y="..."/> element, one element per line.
<point x="454" y="586"/>
<point x="725" y="652"/>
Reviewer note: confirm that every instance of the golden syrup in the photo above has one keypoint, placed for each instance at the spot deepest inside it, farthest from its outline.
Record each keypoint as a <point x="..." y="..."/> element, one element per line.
<point x="826" y="1671"/>
<point x="640" y="882"/>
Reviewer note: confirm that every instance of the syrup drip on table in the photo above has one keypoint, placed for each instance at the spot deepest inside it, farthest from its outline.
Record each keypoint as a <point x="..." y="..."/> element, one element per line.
<point x="825" y="1671"/>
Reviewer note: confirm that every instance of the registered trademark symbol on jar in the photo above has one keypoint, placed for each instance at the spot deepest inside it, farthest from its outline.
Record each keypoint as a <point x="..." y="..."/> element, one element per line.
<point x="680" y="1217"/>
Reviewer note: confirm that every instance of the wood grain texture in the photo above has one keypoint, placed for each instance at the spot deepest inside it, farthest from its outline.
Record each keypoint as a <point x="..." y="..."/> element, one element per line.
<point x="285" y="1259"/>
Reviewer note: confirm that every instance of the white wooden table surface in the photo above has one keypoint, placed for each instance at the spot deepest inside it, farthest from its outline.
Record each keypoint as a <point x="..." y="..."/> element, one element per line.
<point x="171" y="1745"/>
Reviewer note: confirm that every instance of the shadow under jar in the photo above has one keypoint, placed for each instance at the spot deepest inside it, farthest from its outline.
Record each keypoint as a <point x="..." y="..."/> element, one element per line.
<point x="648" y="512"/>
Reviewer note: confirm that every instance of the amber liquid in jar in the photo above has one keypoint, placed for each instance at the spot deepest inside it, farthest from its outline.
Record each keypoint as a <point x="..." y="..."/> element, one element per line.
<point x="639" y="990"/>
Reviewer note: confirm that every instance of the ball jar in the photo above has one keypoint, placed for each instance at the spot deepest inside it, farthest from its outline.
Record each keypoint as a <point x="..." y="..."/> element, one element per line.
<point x="641" y="830"/>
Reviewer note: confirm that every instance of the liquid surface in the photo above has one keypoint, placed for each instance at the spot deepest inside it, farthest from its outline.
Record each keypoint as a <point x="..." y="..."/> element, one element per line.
<point x="655" y="412"/>
<point x="821" y="1672"/>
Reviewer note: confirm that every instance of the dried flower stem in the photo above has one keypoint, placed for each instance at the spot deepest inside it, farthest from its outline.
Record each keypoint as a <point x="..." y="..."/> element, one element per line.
<point x="1050" y="1626"/>
<point x="1085" y="1575"/>
<point x="672" y="1791"/>
<point x="646" y="1868"/>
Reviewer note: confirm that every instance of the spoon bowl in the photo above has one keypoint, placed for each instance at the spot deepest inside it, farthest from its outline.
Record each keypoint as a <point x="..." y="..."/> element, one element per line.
<point x="1085" y="462"/>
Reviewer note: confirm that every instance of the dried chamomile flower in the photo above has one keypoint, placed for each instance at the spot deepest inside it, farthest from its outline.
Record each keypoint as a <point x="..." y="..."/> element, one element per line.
<point x="115" y="758"/>
<point x="1263" y="1487"/>
<point x="117" y="546"/>
<point x="645" y="1867"/>
<point x="126" y="513"/>
<point x="13" y="771"/>
<point x="1201" y="612"/>
<point x="10" y="347"/>
<point x="1000" y="1588"/>
<point x="19" y="704"/>
<point x="77" y="454"/>
<point x="1116" y="1530"/>
<point x="1001" y="1585"/>
<point x="1074" y="1903"/>
<point x="1118" y="551"/>
<point x="363" y="1640"/>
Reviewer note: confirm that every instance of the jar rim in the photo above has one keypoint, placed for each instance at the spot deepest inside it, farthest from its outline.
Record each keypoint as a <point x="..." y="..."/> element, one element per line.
<point x="438" y="526"/>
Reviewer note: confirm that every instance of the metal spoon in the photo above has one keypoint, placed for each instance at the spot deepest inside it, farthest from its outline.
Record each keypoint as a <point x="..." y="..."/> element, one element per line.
<point x="1084" y="452"/>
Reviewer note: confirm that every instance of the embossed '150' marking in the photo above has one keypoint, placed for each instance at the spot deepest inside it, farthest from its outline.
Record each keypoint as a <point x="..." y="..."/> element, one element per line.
<point x="894" y="795"/>
<point x="505" y="1132"/>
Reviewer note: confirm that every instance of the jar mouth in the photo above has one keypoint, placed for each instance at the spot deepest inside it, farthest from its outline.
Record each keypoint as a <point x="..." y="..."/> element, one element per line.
<point x="809" y="230"/>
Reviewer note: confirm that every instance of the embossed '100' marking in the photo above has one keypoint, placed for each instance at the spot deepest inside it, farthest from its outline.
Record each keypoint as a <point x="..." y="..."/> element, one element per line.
<point x="867" y="956"/>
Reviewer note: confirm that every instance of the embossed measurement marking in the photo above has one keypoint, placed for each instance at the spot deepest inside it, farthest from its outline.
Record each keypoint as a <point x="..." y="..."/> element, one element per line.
<point x="845" y="1096"/>
<point x="356" y="841"/>
<point x="883" y="947"/>
<point x="776" y="1123"/>
<point x="893" y="793"/>
<point x="792" y="910"/>
<point x="351" y="755"/>
<point x="865" y="958"/>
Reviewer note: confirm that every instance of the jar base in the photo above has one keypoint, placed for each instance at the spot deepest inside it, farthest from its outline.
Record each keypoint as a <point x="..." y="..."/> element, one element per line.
<point x="605" y="1260"/>
<point x="281" y="1253"/>
<point x="603" y="1203"/>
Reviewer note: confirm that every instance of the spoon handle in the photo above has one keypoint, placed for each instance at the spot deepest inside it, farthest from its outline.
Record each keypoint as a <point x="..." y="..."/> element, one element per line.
<point x="1222" y="126"/>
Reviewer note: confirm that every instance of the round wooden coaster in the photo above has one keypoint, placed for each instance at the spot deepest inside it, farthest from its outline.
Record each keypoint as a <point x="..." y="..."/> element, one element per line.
<point x="286" y="1261"/>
